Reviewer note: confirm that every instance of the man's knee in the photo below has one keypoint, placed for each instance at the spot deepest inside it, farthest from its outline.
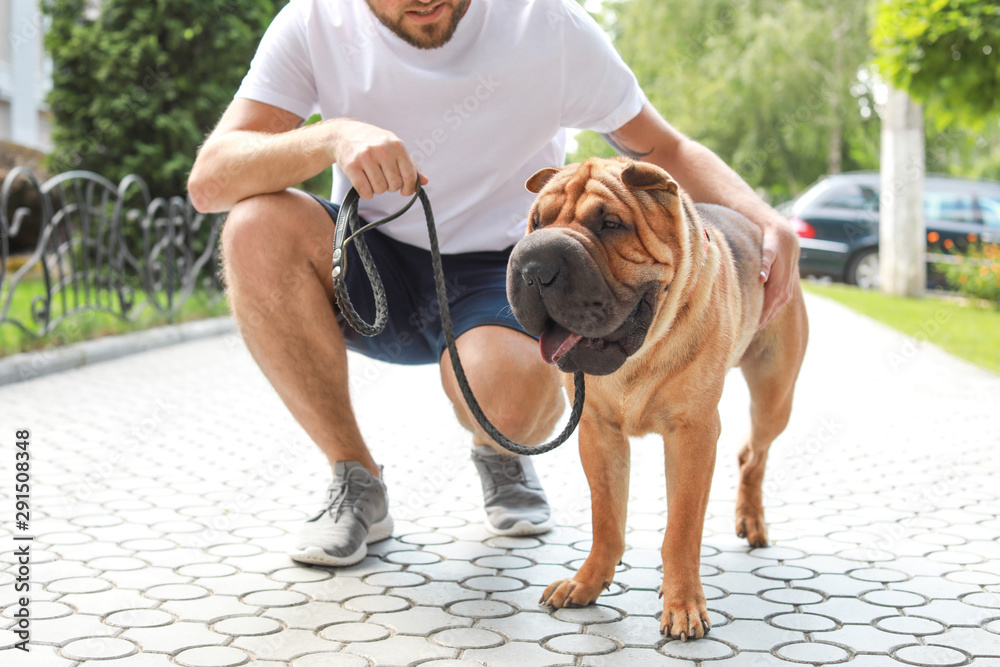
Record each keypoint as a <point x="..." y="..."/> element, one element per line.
<point x="519" y="393"/>
<point x="247" y="230"/>
<point x="273" y="232"/>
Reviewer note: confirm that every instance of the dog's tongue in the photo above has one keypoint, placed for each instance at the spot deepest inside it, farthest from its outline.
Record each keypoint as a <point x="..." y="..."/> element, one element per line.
<point x="556" y="341"/>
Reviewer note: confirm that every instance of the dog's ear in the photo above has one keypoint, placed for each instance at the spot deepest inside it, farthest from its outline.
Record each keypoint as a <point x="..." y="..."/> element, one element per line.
<point x="646" y="176"/>
<point x="539" y="179"/>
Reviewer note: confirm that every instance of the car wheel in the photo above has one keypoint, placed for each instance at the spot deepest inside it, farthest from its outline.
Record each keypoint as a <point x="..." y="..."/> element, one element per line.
<point x="863" y="270"/>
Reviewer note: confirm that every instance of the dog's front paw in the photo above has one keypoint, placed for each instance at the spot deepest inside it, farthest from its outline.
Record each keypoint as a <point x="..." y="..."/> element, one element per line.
<point x="572" y="593"/>
<point x="685" y="618"/>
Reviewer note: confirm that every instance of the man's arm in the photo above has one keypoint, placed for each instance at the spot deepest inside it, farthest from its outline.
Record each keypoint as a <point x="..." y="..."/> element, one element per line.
<point x="708" y="179"/>
<point x="258" y="148"/>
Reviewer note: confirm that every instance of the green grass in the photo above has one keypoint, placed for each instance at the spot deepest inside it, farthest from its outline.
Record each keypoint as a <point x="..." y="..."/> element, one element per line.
<point x="966" y="330"/>
<point x="89" y="324"/>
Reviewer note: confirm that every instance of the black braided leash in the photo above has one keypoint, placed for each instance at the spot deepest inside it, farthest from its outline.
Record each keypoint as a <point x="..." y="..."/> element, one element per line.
<point x="348" y="218"/>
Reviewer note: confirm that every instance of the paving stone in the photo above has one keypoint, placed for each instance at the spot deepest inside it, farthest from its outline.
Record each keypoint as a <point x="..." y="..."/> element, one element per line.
<point x="580" y="644"/>
<point x="866" y="639"/>
<point x="276" y="598"/>
<point x="910" y="625"/>
<point x="931" y="654"/>
<point x="212" y="656"/>
<point x="285" y="645"/>
<point x="630" y="631"/>
<point x="329" y="660"/>
<point x="141" y="660"/>
<point x="419" y="620"/>
<point x="62" y="630"/>
<point x="531" y="627"/>
<point x="894" y="598"/>
<point x="174" y="637"/>
<point x="371" y="604"/>
<point x="481" y="609"/>
<point x="401" y="650"/>
<point x="954" y="612"/>
<point x="208" y="609"/>
<point x="975" y="641"/>
<point x="815" y="652"/>
<point x="803" y="622"/>
<point x="757" y="635"/>
<point x="440" y="593"/>
<point x="522" y="654"/>
<point x="239" y="626"/>
<point x="139" y="618"/>
<point x="337" y="589"/>
<point x="797" y="596"/>
<point x="107" y="602"/>
<point x="468" y="638"/>
<point x="98" y="648"/>
<point x="705" y="648"/>
<point x="312" y="614"/>
<point x="355" y="632"/>
<point x="749" y="607"/>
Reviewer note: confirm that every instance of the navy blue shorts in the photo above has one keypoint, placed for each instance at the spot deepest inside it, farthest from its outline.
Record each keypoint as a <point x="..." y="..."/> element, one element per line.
<point x="477" y="296"/>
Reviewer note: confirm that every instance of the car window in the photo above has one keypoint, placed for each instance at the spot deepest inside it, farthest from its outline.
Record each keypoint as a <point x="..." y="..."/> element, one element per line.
<point x="949" y="207"/>
<point x="989" y="208"/>
<point x="856" y="197"/>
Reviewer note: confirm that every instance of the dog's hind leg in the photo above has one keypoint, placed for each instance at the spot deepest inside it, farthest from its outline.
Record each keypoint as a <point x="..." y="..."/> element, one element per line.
<point x="770" y="366"/>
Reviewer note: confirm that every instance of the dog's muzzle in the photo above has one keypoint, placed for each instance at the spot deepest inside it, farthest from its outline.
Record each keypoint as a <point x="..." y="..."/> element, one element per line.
<point x="558" y="293"/>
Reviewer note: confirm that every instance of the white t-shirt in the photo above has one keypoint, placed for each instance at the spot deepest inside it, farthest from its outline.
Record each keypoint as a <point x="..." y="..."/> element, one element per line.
<point x="479" y="115"/>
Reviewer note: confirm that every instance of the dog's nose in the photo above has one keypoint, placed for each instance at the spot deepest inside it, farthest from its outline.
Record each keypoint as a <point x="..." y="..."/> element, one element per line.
<point x="540" y="271"/>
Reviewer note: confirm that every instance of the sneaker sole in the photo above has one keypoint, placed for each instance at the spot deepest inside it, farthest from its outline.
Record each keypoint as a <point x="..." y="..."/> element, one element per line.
<point x="521" y="528"/>
<point x="317" y="556"/>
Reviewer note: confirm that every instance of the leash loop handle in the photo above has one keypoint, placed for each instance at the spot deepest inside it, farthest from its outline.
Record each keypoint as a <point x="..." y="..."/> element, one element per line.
<point x="347" y="218"/>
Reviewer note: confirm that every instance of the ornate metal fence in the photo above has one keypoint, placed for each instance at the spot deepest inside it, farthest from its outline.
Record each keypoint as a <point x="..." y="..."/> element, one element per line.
<point x="89" y="245"/>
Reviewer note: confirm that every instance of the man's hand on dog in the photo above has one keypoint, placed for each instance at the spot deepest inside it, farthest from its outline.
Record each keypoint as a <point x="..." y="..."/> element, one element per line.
<point x="779" y="268"/>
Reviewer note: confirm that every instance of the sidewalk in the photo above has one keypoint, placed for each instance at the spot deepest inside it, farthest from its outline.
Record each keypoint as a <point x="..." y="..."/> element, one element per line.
<point x="166" y="484"/>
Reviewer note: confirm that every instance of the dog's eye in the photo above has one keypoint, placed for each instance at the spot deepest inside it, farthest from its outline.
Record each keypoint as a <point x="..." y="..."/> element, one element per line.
<point x="535" y="220"/>
<point x="609" y="223"/>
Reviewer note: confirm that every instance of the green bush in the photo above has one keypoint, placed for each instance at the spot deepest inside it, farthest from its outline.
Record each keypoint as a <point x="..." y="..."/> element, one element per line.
<point x="138" y="84"/>
<point x="976" y="273"/>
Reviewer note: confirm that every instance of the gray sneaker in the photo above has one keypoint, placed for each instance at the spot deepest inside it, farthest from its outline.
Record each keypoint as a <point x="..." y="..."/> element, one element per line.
<point x="356" y="513"/>
<point x="514" y="500"/>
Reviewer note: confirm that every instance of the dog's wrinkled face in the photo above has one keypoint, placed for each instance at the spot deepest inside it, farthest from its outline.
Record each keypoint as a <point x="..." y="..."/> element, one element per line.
<point x="598" y="259"/>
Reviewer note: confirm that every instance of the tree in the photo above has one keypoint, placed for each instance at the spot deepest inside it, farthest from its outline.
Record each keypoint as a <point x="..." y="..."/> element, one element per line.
<point x="138" y="84"/>
<point x="945" y="54"/>
<point x="769" y="85"/>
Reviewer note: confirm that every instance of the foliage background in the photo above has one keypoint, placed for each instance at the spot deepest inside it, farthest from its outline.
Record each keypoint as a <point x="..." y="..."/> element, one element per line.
<point x="138" y="84"/>
<point x="945" y="53"/>
<point x="785" y="91"/>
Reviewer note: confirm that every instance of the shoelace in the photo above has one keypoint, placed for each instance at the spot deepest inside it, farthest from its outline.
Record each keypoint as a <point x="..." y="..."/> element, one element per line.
<point x="349" y="494"/>
<point x="511" y="471"/>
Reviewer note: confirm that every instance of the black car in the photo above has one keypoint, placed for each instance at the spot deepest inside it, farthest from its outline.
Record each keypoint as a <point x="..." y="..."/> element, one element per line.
<point x="837" y="222"/>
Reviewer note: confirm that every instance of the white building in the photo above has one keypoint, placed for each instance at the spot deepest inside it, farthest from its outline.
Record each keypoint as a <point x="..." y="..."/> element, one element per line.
<point x="25" y="75"/>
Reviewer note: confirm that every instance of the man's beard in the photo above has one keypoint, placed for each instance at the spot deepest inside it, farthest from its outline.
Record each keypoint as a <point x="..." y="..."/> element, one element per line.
<point x="423" y="36"/>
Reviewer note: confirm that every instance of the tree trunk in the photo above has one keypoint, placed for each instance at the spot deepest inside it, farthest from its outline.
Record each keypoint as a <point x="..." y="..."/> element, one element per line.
<point x="902" y="238"/>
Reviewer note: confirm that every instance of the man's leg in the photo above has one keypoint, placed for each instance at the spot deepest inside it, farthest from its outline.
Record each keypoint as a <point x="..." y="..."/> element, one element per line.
<point x="277" y="252"/>
<point x="521" y="395"/>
